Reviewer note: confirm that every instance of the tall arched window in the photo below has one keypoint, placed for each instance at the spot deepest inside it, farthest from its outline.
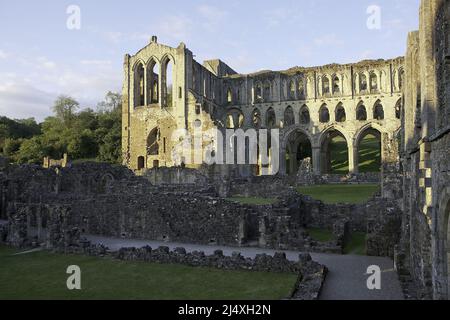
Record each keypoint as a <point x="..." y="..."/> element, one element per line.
<point x="378" y="111"/>
<point x="258" y="92"/>
<point x="362" y="82"/>
<point x="361" y="113"/>
<point x="301" y="88"/>
<point x="167" y="82"/>
<point x="152" y="142"/>
<point x="139" y="85"/>
<point x="289" y="119"/>
<point x="229" y="96"/>
<point x="304" y="115"/>
<point x="325" y="85"/>
<point x="256" y="118"/>
<point x="271" y="119"/>
<point x="324" y="114"/>
<point x="340" y="113"/>
<point x="153" y="82"/>
<point x="266" y="91"/>
<point x="336" y="85"/>
<point x="292" y="90"/>
<point x="398" y="109"/>
<point x="373" y="82"/>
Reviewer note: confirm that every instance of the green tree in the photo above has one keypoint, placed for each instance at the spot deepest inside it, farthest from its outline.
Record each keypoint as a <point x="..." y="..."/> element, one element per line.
<point x="65" y="108"/>
<point x="31" y="151"/>
<point x="112" y="102"/>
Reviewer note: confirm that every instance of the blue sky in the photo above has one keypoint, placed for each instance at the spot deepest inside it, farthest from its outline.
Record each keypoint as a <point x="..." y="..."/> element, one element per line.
<point x="41" y="58"/>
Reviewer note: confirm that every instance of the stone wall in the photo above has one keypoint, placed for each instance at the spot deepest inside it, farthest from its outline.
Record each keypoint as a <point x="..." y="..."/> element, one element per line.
<point x="423" y="254"/>
<point x="51" y="205"/>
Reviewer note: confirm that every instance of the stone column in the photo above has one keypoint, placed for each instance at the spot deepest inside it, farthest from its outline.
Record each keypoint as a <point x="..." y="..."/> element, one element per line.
<point x="351" y="158"/>
<point x="316" y="159"/>
<point x="145" y="88"/>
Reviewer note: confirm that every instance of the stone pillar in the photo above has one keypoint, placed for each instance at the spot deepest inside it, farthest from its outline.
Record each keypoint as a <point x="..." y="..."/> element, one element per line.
<point x="351" y="158"/>
<point x="316" y="159"/>
<point x="282" y="164"/>
<point x="145" y="87"/>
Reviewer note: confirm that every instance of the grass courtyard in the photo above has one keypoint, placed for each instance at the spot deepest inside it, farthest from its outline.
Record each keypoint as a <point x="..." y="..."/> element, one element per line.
<point x="42" y="275"/>
<point x="340" y="193"/>
<point x="355" y="246"/>
<point x="369" y="154"/>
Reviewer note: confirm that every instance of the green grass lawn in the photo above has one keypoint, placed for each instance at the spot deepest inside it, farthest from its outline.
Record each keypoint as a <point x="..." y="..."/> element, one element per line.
<point x="340" y="193"/>
<point x="42" y="275"/>
<point x="321" y="235"/>
<point x="357" y="244"/>
<point x="369" y="155"/>
<point x="339" y="156"/>
<point x="255" y="201"/>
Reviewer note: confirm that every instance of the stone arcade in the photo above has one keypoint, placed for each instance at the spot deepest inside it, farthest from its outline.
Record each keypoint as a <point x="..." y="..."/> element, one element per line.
<point x="310" y="106"/>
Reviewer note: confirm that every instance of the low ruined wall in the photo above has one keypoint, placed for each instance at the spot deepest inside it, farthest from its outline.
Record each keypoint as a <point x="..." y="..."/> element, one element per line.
<point x="308" y="286"/>
<point x="111" y="201"/>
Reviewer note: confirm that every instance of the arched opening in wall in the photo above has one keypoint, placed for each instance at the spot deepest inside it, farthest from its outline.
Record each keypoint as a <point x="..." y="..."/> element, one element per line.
<point x="153" y="142"/>
<point x="266" y="92"/>
<point x="292" y="90"/>
<point x="340" y="113"/>
<point x="378" y="111"/>
<point x="258" y="93"/>
<point x="271" y="119"/>
<point x="289" y="118"/>
<point x="361" y="112"/>
<point x="373" y="83"/>
<point x="334" y="153"/>
<point x="256" y="118"/>
<point x="324" y="114"/>
<point x="325" y="85"/>
<point x="336" y="85"/>
<point x="153" y="82"/>
<point x="140" y="163"/>
<point x="368" y="153"/>
<point x="229" y="96"/>
<point x="235" y="119"/>
<point x="398" y="109"/>
<point x="362" y="82"/>
<point x="298" y="148"/>
<point x="301" y="88"/>
<point x="304" y="115"/>
<point x="241" y="120"/>
<point x="230" y="121"/>
<point x="167" y="84"/>
<point x="139" y="85"/>
<point x="401" y="73"/>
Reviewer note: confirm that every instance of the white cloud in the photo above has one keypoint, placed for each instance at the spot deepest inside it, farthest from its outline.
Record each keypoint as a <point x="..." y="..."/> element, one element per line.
<point x="25" y="101"/>
<point x="30" y="89"/>
<point x="178" y="27"/>
<point x="96" y="62"/>
<point x="211" y="16"/>
<point x="113" y="36"/>
<point x="3" y="54"/>
<point x="44" y="63"/>
<point x="328" y="40"/>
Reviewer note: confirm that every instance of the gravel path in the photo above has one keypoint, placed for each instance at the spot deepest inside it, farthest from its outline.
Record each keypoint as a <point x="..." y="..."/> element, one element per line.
<point x="346" y="279"/>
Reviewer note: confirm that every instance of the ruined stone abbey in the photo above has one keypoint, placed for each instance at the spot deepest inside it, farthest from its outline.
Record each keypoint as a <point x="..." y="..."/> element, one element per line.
<point x="310" y="106"/>
<point x="156" y="195"/>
